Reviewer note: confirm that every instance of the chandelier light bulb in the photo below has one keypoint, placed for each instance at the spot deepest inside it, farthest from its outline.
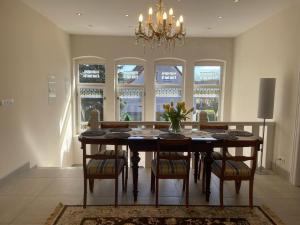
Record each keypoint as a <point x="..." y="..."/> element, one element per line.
<point x="171" y="12"/>
<point x="181" y="19"/>
<point x="165" y="16"/>
<point x="177" y="23"/>
<point x="141" y="18"/>
<point x="150" y="11"/>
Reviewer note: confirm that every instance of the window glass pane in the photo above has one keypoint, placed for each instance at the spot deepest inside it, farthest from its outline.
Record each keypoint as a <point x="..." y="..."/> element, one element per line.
<point x="130" y="74"/>
<point x="130" y="104"/>
<point x="164" y="96"/>
<point x="209" y="75"/>
<point x="166" y="74"/>
<point x="206" y="99"/>
<point x="91" y="73"/>
<point x="90" y="98"/>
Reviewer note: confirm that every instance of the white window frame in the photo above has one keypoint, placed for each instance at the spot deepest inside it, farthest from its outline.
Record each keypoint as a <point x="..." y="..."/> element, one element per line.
<point x="102" y="86"/>
<point x="129" y="61"/>
<point x="169" y="62"/>
<point x="213" y="62"/>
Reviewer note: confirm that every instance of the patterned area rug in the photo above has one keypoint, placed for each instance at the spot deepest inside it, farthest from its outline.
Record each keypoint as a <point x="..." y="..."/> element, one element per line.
<point x="163" y="215"/>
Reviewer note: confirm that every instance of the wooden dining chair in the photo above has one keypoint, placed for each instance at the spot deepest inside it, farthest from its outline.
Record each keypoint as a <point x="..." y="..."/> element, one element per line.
<point x="98" y="166"/>
<point x="171" y="166"/>
<point x="215" y="155"/>
<point x="234" y="168"/>
<point x="122" y="154"/>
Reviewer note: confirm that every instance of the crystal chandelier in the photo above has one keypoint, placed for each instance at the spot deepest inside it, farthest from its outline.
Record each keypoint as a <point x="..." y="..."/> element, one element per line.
<point x="161" y="31"/>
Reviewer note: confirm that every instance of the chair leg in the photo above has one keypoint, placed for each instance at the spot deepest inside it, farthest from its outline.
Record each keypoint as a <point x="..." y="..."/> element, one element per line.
<point x="187" y="192"/>
<point x="238" y="186"/>
<point x="221" y="193"/>
<point x="91" y="185"/>
<point x="152" y="182"/>
<point x="203" y="178"/>
<point x="251" y="192"/>
<point x="116" y="192"/>
<point x="156" y="193"/>
<point x="84" y="192"/>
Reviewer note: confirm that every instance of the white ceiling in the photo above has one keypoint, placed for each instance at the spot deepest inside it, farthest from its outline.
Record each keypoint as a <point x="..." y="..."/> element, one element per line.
<point x="107" y="17"/>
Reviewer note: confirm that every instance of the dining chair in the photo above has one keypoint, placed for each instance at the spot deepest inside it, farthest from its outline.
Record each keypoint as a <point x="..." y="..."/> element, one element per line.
<point x="121" y="153"/>
<point x="234" y="168"/>
<point x="99" y="166"/>
<point x="215" y="155"/>
<point x="171" y="166"/>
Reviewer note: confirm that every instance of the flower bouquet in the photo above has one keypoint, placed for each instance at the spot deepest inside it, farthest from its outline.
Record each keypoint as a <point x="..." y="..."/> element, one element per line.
<point x="176" y="115"/>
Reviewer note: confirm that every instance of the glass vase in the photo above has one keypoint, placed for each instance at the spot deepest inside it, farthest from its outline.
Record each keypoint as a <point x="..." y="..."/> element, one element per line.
<point x="175" y="126"/>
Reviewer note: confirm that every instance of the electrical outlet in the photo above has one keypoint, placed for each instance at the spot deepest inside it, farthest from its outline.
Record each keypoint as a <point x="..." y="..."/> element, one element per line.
<point x="5" y="102"/>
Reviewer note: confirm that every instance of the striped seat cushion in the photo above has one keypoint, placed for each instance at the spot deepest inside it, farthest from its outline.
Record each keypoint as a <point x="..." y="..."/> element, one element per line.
<point x="232" y="168"/>
<point x="121" y="154"/>
<point x="103" y="166"/>
<point x="170" y="167"/>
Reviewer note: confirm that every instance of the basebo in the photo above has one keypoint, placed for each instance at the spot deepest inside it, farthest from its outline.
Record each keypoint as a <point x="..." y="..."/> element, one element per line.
<point x="14" y="173"/>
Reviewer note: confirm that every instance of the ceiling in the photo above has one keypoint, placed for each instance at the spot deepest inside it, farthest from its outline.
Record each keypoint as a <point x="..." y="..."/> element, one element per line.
<point x="107" y="17"/>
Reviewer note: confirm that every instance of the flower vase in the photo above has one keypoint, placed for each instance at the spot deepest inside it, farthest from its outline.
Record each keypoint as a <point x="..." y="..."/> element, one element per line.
<point x="175" y="126"/>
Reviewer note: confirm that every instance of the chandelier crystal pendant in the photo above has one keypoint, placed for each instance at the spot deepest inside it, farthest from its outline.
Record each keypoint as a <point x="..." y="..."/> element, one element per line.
<point x="161" y="30"/>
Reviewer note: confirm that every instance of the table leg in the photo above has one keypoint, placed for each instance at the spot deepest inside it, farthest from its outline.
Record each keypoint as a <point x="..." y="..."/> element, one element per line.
<point x="196" y="164"/>
<point x="135" y="172"/>
<point x="208" y="161"/>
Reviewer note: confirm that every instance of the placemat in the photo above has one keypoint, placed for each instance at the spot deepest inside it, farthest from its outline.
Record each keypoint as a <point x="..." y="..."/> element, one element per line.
<point x="240" y="133"/>
<point x="171" y="136"/>
<point x="117" y="135"/>
<point x="224" y="136"/>
<point x="91" y="133"/>
<point x="120" y="129"/>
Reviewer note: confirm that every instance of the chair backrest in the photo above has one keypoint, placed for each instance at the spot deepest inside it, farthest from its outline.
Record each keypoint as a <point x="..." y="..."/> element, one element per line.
<point x="114" y="125"/>
<point x="213" y="127"/>
<point x="174" y="145"/>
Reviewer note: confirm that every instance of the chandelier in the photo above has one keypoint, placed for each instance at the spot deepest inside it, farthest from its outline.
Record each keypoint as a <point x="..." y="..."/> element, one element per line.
<point x="161" y="30"/>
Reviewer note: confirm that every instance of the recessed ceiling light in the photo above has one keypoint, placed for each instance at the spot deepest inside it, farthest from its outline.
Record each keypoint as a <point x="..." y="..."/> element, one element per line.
<point x="90" y="25"/>
<point x="78" y="13"/>
<point x="236" y="1"/>
<point x="220" y="17"/>
<point x="126" y="15"/>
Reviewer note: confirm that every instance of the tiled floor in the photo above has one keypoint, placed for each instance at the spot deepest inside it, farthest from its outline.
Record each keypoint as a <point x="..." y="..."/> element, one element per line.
<point x="30" y="197"/>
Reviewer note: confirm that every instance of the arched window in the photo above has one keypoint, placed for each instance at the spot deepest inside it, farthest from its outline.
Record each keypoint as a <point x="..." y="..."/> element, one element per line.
<point x="169" y="84"/>
<point x="207" y="93"/>
<point x="90" y="78"/>
<point x="130" y="90"/>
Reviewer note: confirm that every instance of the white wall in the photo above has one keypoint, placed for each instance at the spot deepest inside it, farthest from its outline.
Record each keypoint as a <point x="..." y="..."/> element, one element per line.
<point x="31" y="130"/>
<point x="271" y="49"/>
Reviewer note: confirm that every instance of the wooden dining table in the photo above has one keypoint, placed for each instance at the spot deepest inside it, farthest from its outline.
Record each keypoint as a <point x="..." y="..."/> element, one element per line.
<point x="147" y="142"/>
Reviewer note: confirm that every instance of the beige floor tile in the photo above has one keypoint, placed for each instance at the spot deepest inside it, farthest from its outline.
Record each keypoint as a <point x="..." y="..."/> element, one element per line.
<point x="24" y="186"/>
<point x="11" y="207"/>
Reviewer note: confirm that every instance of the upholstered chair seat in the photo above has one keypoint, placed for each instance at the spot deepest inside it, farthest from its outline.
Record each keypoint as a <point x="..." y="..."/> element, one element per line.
<point x="170" y="167"/>
<point x="96" y="167"/>
<point x="232" y="168"/>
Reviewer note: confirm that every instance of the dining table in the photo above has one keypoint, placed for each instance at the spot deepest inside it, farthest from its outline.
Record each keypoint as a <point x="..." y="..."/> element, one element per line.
<point x="145" y="140"/>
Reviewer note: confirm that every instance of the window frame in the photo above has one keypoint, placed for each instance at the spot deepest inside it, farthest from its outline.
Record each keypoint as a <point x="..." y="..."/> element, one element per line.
<point x="78" y="86"/>
<point x="169" y="62"/>
<point x="222" y="65"/>
<point x="117" y="86"/>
